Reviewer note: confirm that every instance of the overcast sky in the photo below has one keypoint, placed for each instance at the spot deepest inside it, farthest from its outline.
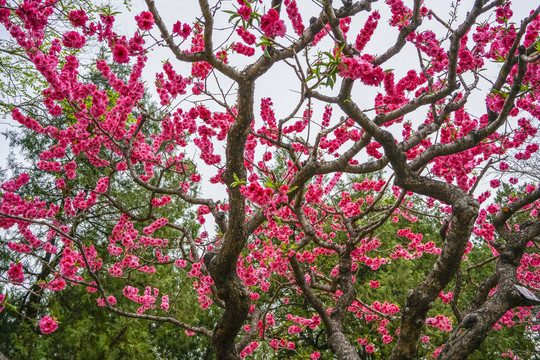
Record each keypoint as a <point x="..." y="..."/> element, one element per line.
<point x="284" y="90"/>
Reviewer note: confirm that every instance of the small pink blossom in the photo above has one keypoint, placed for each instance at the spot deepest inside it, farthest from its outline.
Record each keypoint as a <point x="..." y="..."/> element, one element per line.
<point x="181" y="30"/>
<point x="387" y="339"/>
<point x="271" y="25"/>
<point x="78" y="18"/>
<point x="48" y="325"/>
<point x="15" y="273"/>
<point x="359" y="68"/>
<point x="92" y="289"/>
<point x="495" y="183"/>
<point x="165" y="302"/>
<point x="244" y="50"/>
<point x="245" y="12"/>
<point x="73" y="39"/>
<point x="145" y="21"/>
<point x="295" y="329"/>
<point x="120" y="54"/>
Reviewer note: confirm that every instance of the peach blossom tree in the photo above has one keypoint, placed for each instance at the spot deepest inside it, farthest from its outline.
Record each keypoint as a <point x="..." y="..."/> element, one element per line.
<point x="309" y="203"/>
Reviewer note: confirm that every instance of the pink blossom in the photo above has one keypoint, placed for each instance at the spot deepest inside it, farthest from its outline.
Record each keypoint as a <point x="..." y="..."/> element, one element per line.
<point x="121" y="166"/>
<point x="145" y="20"/>
<point x="180" y="263"/>
<point x="294" y="16"/>
<point x="504" y="13"/>
<point x="60" y="183"/>
<point x="73" y="39"/>
<point x="149" y="230"/>
<point x="15" y="273"/>
<point x="157" y="202"/>
<point x="246" y="36"/>
<point x="271" y="25"/>
<point x="120" y="54"/>
<point x="358" y="68"/>
<point x="435" y="354"/>
<point x="78" y="18"/>
<point x="294" y="329"/>
<point x="446" y="298"/>
<point x="243" y="49"/>
<point x="102" y="185"/>
<point x="365" y="34"/>
<point x="245" y="12"/>
<point x="165" y="302"/>
<point x="15" y="184"/>
<point x="441" y="322"/>
<point x="181" y="30"/>
<point x="91" y="289"/>
<point x="48" y="325"/>
<point x="387" y="339"/>
<point x="56" y="285"/>
<point x="495" y="183"/>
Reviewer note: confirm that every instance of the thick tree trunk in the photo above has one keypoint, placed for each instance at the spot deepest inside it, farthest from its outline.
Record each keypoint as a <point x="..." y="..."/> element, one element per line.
<point x="222" y="265"/>
<point x="341" y="346"/>
<point x="236" y="298"/>
<point x="421" y="298"/>
<point x="476" y="325"/>
<point x="480" y="320"/>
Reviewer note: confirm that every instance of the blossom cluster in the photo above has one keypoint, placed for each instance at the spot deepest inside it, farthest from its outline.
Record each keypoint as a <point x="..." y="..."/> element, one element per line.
<point x="150" y="229"/>
<point x="361" y="68"/>
<point x="441" y="322"/>
<point x="271" y="25"/>
<point x="294" y="15"/>
<point x="15" y="184"/>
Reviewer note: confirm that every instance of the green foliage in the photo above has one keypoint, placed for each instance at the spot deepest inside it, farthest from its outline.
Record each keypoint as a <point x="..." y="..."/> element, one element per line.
<point x="326" y="68"/>
<point x="93" y="332"/>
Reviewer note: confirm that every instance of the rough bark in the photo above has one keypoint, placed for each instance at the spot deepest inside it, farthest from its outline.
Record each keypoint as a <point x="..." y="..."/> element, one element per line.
<point x="222" y="264"/>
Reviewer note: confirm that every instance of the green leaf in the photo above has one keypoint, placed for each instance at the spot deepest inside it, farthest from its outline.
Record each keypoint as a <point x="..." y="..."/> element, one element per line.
<point x="537" y="46"/>
<point x="330" y="82"/>
<point x="292" y="189"/>
<point x="237" y="181"/>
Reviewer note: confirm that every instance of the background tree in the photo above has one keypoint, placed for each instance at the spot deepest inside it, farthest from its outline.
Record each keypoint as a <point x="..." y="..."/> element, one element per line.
<point x="92" y="333"/>
<point x="322" y="206"/>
